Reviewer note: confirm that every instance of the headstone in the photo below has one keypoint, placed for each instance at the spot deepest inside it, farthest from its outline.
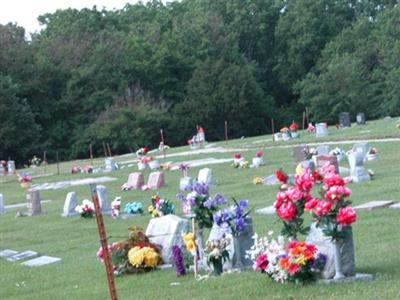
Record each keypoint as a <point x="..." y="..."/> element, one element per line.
<point x="321" y="130"/>
<point x="278" y="136"/>
<point x="323" y="159"/>
<point x="374" y="204"/>
<point x="244" y="241"/>
<point x="395" y="206"/>
<point x="156" y="180"/>
<point x="325" y="246"/>
<point x="300" y="153"/>
<point x="103" y="199"/>
<point x="205" y="176"/>
<point x="7" y="253"/>
<point x="110" y="164"/>
<point x="2" y="208"/>
<point x="11" y="167"/>
<point x="323" y="149"/>
<point x="361" y="147"/>
<point x="154" y="164"/>
<point x="344" y="119"/>
<point x="69" y="205"/>
<point x="267" y="211"/>
<point x="360" y="119"/>
<point x="357" y="171"/>
<point x="41" y="261"/>
<point x="22" y="255"/>
<point x="135" y="181"/>
<point x="166" y="231"/>
<point x="308" y="164"/>
<point x="33" y="202"/>
<point x="185" y="183"/>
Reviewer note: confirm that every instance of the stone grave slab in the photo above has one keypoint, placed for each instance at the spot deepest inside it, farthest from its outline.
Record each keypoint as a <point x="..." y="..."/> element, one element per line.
<point x="185" y="183"/>
<point x="20" y="205"/>
<point x="156" y="180"/>
<point x="110" y="164"/>
<point x="33" y="202"/>
<point x="41" y="261"/>
<point x="69" y="205"/>
<point x="103" y="199"/>
<point x="300" y="153"/>
<point x="327" y="247"/>
<point x="374" y="204"/>
<point x="7" y="253"/>
<point x="23" y="255"/>
<point x="2" y="208"/>
<point x="348" y="279"/>
<point x="135" y="181"/>
<point x="166" y="231"/>
<point x="395" y="206"/>
<point x="344" y="119"/>
<point x="323" y="159"/>
<point x="11" y="167"/>
<point x="205" y="175"/>
<point x="321" y="130"/>
<point x="270" y="180"/>
<point x="268" y="211"/>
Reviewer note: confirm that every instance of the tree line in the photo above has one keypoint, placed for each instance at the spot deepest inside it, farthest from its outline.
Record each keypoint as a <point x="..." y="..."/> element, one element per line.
<point x="118" y="76"/>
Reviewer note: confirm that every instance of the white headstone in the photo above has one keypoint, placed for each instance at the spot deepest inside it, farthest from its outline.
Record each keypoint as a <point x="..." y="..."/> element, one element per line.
<point x="362" y="147"/>
<point x="321" y="130"/>
<point x="166" y="231"/>
<point x="41" y="261"/>
<point x="2" y="208"/>
<point x="110" y="164"/>
<point x="11" y="167"/>
<point x="205" y="176"/>
<point x="69" y="205"/>
<point x="357" y="171"/>
<point x="103" y="199"/>
<point x="154" y="164"/>
<point x="185" y="183"/>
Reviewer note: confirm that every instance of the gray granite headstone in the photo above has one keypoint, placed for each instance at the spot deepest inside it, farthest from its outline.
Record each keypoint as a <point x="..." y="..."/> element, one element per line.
<point x="167" y="231"/>
<point x="41" y="261"/>
<point x="185" y="183"/>
<point x="325" y="246"/>
<point x="110" y="164"/>
<point x="33" y="202"/>
<point x="2" y="208"/>
<point x="357" y="171"/>
<point x="22" y="255"/>
<point x="300" y="153"/>
<point x="308" y="164"/>
<point x="361" y="147"/>
<point x="323" y="149"/>
<point x="360" y="119"/>
<point x="69" y="205"/>
<point x="244" y="241"/>
<point x="156" y="180"/>
<point x="344" y="119"/>
<point x="103" y="199"/>
<point x="331" y="159"/>
<point x="321" y="130"/>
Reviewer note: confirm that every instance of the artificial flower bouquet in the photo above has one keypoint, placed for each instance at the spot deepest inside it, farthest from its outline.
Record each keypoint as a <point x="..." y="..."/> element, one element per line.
<point x="293" y="127"/>
<point x="372" y="154"/>
<point x="257" y="180"/>
<point x="233" y="219"/>
<point x="115" y="207"/>
<point x="132" y="208"/>
<point x="86" y="209"/>
<point x="88" y="169"/>
<point x="25" y="180"/>
<point x="184" y="167"/>
<point x="295" y="261"/>
<point x="217" y="254"/>
<point x="339" y="153"/>
<point x="76" y="169"/>
<point x="238" y="160"/>
<point x="35" y="161"/>
<point x="160" y="207"/>
<point x="200" y="204"/>
<point x="134" y="255"/>
<point x="142" y="151"/>
<point x="258" y="160"/>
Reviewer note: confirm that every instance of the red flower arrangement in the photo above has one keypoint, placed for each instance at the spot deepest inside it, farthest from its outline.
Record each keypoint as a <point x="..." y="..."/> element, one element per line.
<point x="293" y="127"/>
<point x="281" y="176"/>
<point x="260" y="154"/>
<point x="237" y="155"/>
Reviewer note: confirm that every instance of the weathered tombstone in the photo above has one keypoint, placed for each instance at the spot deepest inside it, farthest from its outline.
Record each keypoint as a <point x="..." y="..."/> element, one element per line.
<point x="323" y="150"/>
<point x="205" y="176"/>
<point x="2" y="208"/>
<point x="156" y="180"/>
<point x="110" y="164"/>
<point x="135" y="181"/>
<point x="321" y="130"/>
<point x="103" y="199"/>
<point x="361" y="147"/>
<point x="325" y="246"/>
<point x="324" y="159"/>
<point x="300" y="153"/>
<point x="33" y="202"/>
<point x="40" y="261"/>
<point x="69" y="205"/>
<point x="357" y="170"/>
<point x="185" y="183"/>
<point x="243" y="242"/>
<point x="344" y="119"/>
<point x="166" y="231"/>
<point x="11" y="167"/>
<point x="360" y="118"/>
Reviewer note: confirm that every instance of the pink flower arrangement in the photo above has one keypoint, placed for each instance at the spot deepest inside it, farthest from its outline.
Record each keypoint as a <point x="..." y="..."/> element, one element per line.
<point x="262" y="262"/>
<point x="76" y="169"/>
<point x="346" y="215"/>
<point x="24" y="178"/>
<point x="260" y="154"/>
<point x="237" y="155"/>
<point x="88" y="169"/>
<point x="294" y="126"/>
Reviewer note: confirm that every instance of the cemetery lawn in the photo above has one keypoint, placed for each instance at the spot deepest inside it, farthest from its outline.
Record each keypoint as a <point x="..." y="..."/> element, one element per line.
<point x="81" y="276"/>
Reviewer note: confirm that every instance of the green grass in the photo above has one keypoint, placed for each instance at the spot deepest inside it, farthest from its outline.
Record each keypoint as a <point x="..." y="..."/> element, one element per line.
<point x="75" y="240"/>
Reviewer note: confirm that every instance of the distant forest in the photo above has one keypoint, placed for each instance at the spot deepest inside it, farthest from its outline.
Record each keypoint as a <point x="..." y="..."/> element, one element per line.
<point x="94" y="76"/>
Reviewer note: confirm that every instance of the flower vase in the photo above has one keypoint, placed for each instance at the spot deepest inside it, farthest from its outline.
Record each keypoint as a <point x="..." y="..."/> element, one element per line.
<point x="237" y="255"/>
<point x="217" y="267"/>
<point x="338" y="262"/>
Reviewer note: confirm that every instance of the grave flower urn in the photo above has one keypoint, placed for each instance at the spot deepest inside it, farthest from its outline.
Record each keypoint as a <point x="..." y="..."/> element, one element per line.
<point x="257" y="161"/>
